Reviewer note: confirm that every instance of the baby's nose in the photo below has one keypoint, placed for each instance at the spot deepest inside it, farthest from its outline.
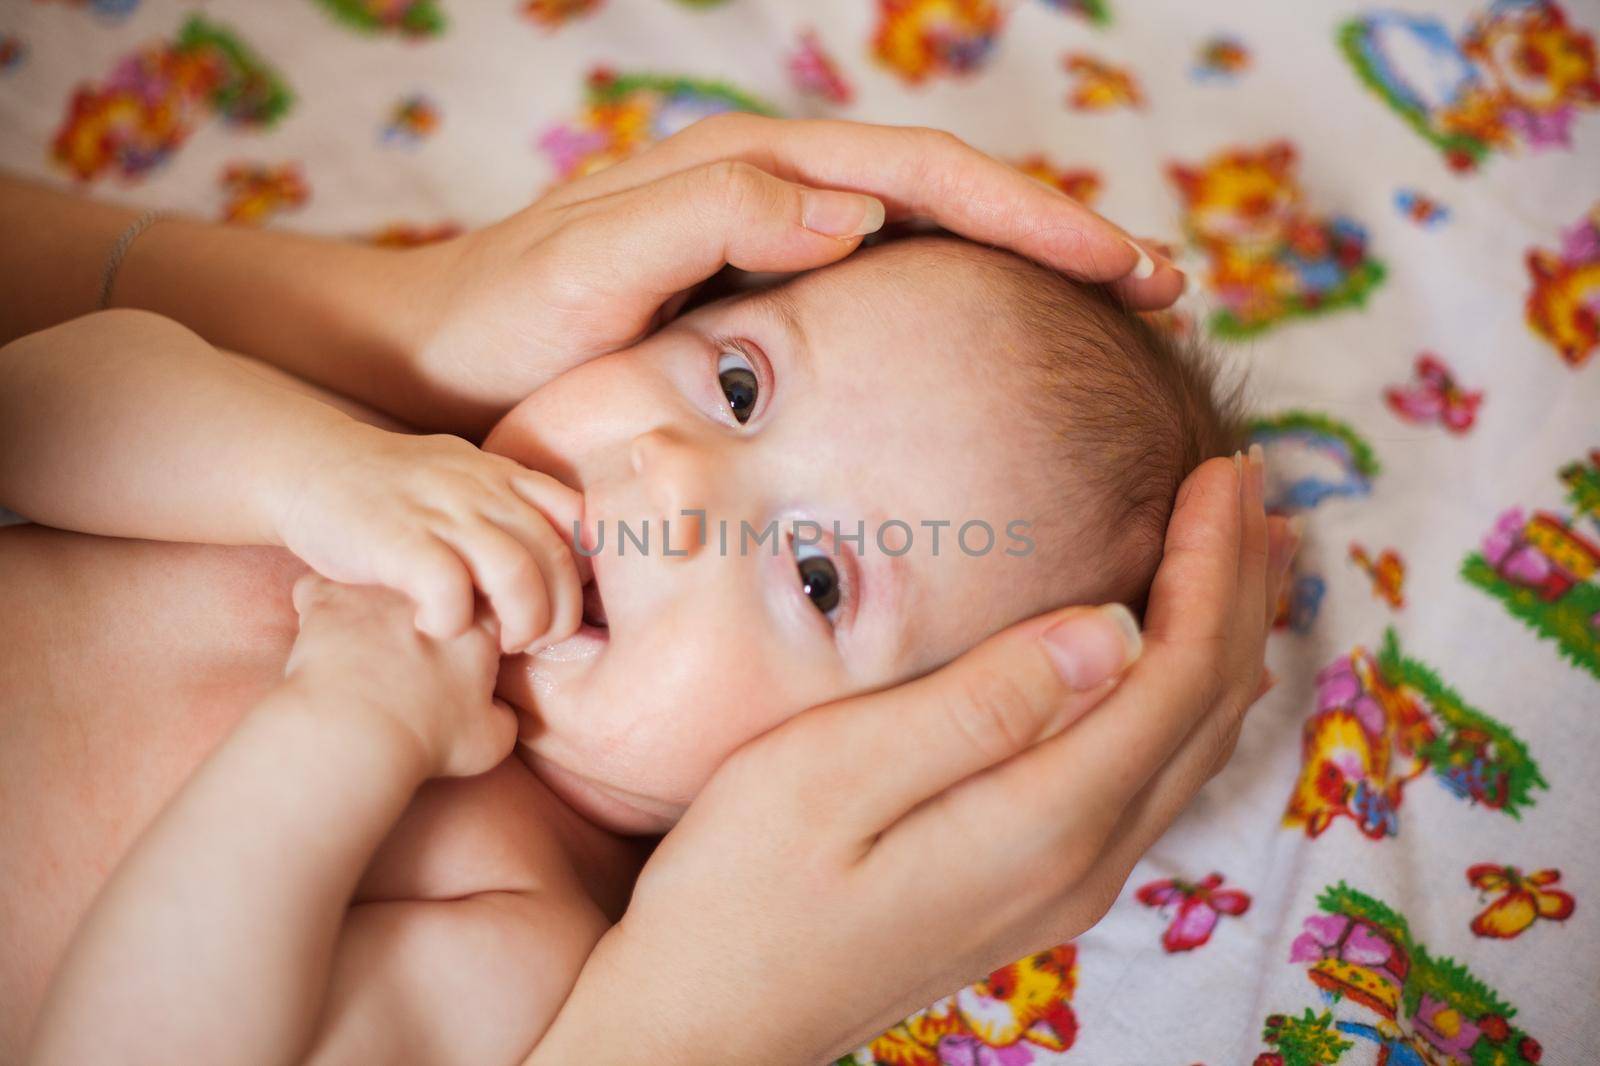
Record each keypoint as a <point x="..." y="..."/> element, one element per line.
<point x="677" y="477"/>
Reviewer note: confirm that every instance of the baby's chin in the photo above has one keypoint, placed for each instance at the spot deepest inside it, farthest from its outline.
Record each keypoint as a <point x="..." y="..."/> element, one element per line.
<point x="522" y="684"/>
<point x="611" y="809"/>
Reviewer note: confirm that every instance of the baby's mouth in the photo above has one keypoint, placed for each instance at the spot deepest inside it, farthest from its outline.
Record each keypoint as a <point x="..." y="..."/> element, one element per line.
<point x="594" y="608"/>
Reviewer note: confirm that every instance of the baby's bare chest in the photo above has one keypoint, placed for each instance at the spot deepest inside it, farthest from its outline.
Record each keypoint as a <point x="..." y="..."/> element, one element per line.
<point x="123" y="664"/>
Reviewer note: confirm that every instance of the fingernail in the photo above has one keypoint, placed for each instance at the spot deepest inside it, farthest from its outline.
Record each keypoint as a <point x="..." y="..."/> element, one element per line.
<point x="1144" y="266"/>
<point x="1089" y="648"/>
<point x="841" y="214"/>
<point x="1258" y="469"/>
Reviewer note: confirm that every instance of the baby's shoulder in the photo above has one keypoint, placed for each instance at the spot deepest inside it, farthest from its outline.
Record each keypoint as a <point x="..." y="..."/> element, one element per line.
<point x="498" y="832"/>
<point x="473" y="915"/>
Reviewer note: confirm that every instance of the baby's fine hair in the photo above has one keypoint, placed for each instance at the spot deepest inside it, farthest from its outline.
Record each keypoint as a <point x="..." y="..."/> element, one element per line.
<point x="1129" y="405"/>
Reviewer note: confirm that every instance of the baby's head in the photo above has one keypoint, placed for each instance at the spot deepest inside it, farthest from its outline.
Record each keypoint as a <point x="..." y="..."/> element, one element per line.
<point x="874" y="407"/>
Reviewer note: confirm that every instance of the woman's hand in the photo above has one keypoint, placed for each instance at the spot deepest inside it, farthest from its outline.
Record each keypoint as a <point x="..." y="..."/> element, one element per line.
<point x="450" y="336"/>
<point x="437" y="519"/>
<point x="591" y="266"/>
<point x="872" y="855"/>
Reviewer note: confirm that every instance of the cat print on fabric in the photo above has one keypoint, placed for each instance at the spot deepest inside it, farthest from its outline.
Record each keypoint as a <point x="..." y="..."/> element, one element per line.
<point x="1269" y="257"/>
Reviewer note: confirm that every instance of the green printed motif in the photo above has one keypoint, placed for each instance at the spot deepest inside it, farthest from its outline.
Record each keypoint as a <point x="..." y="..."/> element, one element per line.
<point x="250" y="92"/>
<point x="1356" y="462"/>
<point x="1350" y="291"/>
<point x="1388" y="989"/>
<point x="419" y="18"/>
<point x="617" y="88"/>
<point x="1309" y="1040"/>
<point x="1472" y="754"/>
<point x="1543" y="567"/>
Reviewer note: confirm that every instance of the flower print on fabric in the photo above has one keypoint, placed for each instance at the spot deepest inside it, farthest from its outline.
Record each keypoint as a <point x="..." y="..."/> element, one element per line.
<point x="153" y="99"/>
<point x="1095" y="12"/>
<point x="1100" y="86"/>
<point x="408" y="18"/>
<point x="922" y="39"/>
<point x="1385" y="989"/>
<point x="1195" y="908"/>
<point x="1564" y="300"/>
<point x="815" y="73"/>
<point x="1020" y="1015"/>
<point x="626" y="113"/>
<point x="1380" y="722"/>
<point x="1434" y="396"/>
<point x="410" y="235"/>
<point x="1543" y="565"/>
<point x="255" y="192"/>
<point x="1221" y="60"/>
<point x="1421" y="208"/>
<point x="1522" y="898"/>
<point x="1080" y="183"/>
<point x="412" y="120"/>
<point x="1386" y="571"/>
<point x="1299" y="602"/>
<point x="551" y="14"/>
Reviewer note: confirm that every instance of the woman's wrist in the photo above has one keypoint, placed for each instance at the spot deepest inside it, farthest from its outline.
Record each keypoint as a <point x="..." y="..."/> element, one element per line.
<point x="349" y="317"/>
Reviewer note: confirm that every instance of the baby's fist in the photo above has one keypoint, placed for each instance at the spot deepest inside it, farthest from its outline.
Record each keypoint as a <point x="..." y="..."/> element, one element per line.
<point x="441" y="520"/>
<point x="359" y="649"/>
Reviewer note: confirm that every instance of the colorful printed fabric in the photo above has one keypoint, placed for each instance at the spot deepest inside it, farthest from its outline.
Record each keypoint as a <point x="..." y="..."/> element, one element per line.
<point x="1390" y="218"/>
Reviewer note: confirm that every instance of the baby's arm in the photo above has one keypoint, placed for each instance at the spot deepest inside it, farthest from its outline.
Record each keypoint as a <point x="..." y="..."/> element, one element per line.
<point x="224" y="937"/>
<point x="124" y="423"/>
<point x="127" y="424"/>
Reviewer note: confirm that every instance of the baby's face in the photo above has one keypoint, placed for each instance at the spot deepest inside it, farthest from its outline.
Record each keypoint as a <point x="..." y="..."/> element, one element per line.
<point x="872" y="391"/>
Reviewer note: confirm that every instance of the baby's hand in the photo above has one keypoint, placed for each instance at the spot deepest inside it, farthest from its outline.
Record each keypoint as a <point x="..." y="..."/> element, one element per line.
<point x="433" y="517"/>
<point x="358" y="649"/>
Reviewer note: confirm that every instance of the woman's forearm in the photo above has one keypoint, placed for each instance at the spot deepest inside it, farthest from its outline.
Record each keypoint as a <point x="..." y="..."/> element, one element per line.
<point x="213" y="939"/>
<point x="332" y="312"/>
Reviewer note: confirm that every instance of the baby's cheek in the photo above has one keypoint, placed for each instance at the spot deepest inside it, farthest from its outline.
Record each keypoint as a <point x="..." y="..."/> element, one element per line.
<point x="691" y="720"/>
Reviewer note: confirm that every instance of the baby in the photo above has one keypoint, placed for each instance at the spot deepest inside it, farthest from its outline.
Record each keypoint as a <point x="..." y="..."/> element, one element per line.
<point x="779" y="499"/>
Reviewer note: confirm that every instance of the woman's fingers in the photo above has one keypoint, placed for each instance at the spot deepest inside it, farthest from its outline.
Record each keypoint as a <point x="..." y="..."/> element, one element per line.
<point x="915" y="173"/>
<point x="1255" y="560"/>
<point x="1025" y="683"/>
<point x="674" y="232"/>
<point x="1098" y="765"/>
<point x="1057" y="803"/>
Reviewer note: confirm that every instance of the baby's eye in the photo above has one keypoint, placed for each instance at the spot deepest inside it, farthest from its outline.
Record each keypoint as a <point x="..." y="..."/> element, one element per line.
<point x="740" y="386"/>
<point x="819" y="578"/>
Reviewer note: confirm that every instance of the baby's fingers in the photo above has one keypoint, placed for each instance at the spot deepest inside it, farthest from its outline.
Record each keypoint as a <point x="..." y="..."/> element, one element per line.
<point x="511" y="579"/>
<point x="562" y="571"/>
<point x="561" y="507"/>
<point x="437" y="581"/>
